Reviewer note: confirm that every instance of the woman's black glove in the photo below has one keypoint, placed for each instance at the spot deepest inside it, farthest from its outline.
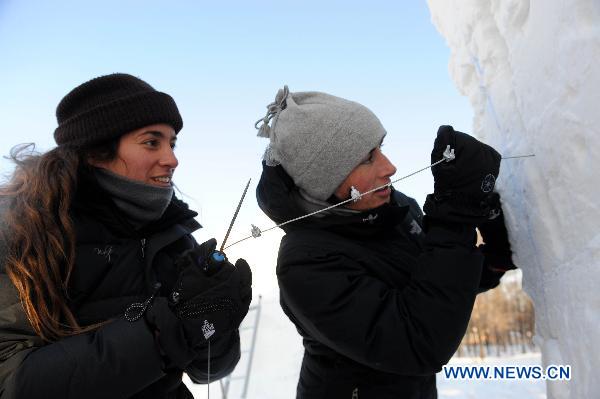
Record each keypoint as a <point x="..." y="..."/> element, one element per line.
<point x="463" y="187"/>
<point x="209" y="300"/>
<point x="211" y="285"/>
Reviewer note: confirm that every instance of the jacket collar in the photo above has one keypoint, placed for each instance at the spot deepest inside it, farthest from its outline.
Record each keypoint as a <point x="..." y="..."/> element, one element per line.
<point x="90" y="199"/>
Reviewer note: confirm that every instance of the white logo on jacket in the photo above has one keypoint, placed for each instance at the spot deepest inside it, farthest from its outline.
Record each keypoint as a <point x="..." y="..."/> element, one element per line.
<point x="106" y="252"/>
<point x="488" y="183"/>
<point x="371" y="218"/>
<point x="415" y="228"/>
<point x="208" y="329"/>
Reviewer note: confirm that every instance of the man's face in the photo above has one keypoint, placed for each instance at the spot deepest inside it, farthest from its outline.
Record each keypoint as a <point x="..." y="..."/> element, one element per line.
<point x="373" y="172"/>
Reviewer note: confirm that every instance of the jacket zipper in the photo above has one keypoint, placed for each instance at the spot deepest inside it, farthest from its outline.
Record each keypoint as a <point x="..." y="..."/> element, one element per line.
<point x="143" y="247"/>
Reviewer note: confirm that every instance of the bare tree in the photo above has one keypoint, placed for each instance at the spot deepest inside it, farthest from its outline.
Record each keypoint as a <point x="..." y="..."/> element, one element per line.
<point x="502" y="321"/>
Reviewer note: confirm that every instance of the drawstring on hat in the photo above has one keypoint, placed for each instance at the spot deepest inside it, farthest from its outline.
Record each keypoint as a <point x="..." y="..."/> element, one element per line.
<point x="272" y="110"/>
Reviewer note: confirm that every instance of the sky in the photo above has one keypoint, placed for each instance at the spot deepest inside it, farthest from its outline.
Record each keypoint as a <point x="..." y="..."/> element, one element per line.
<point x="223" y="62"/>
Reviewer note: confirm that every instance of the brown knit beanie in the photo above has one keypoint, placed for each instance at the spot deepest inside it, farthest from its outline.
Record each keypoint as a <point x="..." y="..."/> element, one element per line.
<point x="108" y="107"/>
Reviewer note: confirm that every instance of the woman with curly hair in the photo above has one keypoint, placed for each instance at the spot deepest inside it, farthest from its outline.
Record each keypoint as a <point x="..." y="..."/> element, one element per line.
<point x="104" y="291"/>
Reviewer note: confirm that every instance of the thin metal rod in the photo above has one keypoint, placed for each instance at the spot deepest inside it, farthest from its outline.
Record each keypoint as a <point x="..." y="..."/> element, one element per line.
<point x="520" y="156"/>
<point x="237" y="210"/>
<point x="224" y="382"/>
<point x="208" y="374"/>
<point x="254" y="333"/>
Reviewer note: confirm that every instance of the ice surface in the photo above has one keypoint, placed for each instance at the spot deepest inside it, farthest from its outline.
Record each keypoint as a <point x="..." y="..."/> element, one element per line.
<point x="530" y="70"/>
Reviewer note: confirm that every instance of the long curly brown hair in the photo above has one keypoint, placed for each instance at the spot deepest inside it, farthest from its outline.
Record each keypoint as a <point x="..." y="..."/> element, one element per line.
<point x="41" y="242"/>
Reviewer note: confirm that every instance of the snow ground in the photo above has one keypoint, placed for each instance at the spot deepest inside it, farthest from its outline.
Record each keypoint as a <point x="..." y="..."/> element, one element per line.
<point x="278" y="355"/>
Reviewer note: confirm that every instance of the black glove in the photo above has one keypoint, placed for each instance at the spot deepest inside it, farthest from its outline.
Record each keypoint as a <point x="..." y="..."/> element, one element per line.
<point x="208" y="283"/>
<point x="463" y="186"/>
<point x="209" y="300"/>
<point x="497" y="251"/>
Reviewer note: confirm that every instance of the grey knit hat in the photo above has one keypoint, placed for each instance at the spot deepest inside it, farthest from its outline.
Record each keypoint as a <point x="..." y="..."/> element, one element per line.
<point x="318" y="138"/>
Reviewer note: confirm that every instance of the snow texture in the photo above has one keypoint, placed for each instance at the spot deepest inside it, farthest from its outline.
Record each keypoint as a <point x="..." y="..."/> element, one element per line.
<point x="530" y="70"/>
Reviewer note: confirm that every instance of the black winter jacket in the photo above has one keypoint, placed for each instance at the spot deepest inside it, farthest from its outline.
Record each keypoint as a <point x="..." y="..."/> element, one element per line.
<point x="115" y="266"/>
<point x="380" y="304"/>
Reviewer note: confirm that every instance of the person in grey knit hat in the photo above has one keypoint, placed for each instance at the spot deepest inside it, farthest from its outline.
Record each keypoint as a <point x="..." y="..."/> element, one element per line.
<point x="318" y="138"/>
<point x="380" y="294"/>
<point x="105" y="292"/>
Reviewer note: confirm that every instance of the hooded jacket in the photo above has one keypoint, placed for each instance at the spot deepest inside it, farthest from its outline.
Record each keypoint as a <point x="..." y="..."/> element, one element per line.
<point x="115" y="266"/>
<point x="380" y="303"/>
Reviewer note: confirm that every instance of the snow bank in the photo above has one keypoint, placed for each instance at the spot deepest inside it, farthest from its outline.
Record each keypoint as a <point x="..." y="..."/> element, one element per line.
<point x="531" y="71"/>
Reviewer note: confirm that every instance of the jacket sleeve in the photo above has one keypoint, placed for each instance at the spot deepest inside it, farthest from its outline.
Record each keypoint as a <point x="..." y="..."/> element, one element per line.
<point x="489" y="278"/>
<point x="17" y="338"/>
<point x="412" y="330"/>
<point x="116" y="361"/>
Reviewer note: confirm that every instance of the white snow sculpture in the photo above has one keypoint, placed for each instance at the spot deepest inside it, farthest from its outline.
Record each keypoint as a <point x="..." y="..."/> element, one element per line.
<point x="531" y="69"/>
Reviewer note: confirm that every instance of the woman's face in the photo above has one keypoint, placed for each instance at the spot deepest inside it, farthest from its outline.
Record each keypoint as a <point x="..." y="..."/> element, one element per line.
<point x="145" y="155"/>
<point x="373" y="172"/>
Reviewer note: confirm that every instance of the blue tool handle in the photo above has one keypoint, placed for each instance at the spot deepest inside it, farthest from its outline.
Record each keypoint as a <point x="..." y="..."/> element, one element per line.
<point x="214" y="261"/>
<point x="218" y="256"/>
